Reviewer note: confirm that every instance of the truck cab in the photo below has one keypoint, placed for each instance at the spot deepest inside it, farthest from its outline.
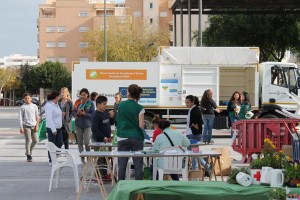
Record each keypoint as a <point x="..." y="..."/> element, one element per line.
<point x="275" y="80"/>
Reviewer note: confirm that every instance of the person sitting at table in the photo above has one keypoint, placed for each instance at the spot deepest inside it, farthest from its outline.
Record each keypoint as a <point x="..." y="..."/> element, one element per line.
<point x="157" y="131"/>
<point x="130" y="120"/>
<point x="169" y="138"/>
<point x="101" y="129"/>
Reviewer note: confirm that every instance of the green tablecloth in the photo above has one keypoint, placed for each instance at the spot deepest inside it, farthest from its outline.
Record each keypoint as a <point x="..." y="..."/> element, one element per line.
<point x="192" y="190"/>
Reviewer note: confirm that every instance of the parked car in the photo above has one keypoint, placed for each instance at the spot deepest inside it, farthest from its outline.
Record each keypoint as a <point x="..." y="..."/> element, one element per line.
<point x="21" y="102"/>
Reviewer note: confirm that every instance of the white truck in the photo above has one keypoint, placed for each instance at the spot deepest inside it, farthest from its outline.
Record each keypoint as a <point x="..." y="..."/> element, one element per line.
<point x="181" y="71"/>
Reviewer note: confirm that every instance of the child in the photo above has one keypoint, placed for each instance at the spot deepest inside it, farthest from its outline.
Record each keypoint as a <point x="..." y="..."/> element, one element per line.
<point x="29" y="124"/>
<point x="101" y="128"/>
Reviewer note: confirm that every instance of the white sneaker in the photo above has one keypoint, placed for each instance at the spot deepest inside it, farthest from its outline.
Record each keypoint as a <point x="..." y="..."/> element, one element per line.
<point x="50" y="163"/>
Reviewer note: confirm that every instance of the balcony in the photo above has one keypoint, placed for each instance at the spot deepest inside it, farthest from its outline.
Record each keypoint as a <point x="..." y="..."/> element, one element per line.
<point x="38" y="37"/>
<point x="47" y="11"/>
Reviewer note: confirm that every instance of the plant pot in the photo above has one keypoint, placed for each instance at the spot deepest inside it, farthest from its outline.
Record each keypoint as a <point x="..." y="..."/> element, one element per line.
<point x="293" y="182"/>
<point x="255" y="175"/>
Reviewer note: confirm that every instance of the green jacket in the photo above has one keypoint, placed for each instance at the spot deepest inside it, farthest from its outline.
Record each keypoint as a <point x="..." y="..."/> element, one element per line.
<point x="128" y="120"/>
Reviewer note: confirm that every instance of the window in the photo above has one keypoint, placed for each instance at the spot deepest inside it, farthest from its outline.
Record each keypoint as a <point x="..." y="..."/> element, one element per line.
<point x="51" y="44"/>
<point x="137" y="13"/>
<point x="83" y="59"/>
<point x="293" y="79"/>
<point x="83" y="44"/>
<point x="62" y="59"/>
<point x="51" y="59"/>
<point x="61" y="44"/>
<point x="163" y="14"/>
<point x="50" y="29"/>
<point x="83" y="14"/>
<point x="151" y="5"/>
<point x="279" y="76"/>
<point x="151" y="20"/>
<point x="61" y="29"/>
<point x="171" y="27"/>
<point x="83" y="29"/>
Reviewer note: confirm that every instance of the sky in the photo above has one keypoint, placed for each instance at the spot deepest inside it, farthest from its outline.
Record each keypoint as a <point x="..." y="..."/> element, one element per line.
<point x="18" y="32"/>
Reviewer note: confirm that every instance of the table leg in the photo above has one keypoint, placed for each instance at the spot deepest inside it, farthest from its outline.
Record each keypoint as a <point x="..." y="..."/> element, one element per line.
<point x="95" y="160"/>
<point x="213" y="169"/>
<point x="200" y="166"/>
<point x="219" y="163"/>
<point x="205" y="168"/>
<point x="89" y="161"/>
<point x="154" y="169"/>
<point x="99" y="180"/>
<point x="112" y="173"/>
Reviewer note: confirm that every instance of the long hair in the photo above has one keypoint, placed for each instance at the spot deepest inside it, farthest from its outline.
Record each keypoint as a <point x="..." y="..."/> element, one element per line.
<point x="66" y="90"/>
<point x="232" y="97"/>
<point x="246" y="97"/>
<point x="205" y="97"/>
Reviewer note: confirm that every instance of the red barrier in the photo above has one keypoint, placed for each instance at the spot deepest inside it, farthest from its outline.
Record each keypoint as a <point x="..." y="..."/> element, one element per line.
<point x="251" y="135"/>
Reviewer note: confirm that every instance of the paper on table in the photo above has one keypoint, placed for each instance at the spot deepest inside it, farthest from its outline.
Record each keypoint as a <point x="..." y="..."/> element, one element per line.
<point x="169" y="152"/>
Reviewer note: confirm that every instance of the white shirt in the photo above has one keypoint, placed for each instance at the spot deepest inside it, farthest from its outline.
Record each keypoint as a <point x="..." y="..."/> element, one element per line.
<point x="28" y="115"/>
<point x="53" y="116"/>
<point x="188" y="130"/>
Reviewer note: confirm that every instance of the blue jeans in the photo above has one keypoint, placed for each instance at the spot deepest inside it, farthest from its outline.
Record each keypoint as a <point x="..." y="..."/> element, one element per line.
<point x="194" y="160"/>
<point x="232" y="120"/>
<point x="208" y="122"/>
<point x="55" y="139"/>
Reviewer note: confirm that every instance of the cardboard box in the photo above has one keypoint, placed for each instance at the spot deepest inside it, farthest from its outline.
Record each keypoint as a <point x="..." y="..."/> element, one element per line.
<point x="195" y="175"/>
<point x="225" y="161"/>
<point x="288" y="150"/>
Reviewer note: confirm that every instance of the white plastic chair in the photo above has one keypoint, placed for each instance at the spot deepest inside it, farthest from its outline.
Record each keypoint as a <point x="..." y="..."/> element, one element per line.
<point x="71" y="161"/>
<point x="173" y="165"/>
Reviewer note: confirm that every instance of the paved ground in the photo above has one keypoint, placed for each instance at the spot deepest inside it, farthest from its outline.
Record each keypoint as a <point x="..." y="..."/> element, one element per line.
<point x="30" y="181"/>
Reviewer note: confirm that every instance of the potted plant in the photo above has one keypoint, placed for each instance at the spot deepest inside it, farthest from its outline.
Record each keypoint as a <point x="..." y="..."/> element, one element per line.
<point x="292" y="173"/>
<point x="277" y="194"/>
<point x="255" y="171"/>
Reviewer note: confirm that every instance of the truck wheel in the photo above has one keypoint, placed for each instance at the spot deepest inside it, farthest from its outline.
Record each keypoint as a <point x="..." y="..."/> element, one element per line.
<point x="148" y="122"/>
<point x="269" y="116"/>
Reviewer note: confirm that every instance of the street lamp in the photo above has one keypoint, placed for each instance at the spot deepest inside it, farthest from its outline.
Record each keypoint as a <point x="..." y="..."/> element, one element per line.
<point x="105" y="40"/>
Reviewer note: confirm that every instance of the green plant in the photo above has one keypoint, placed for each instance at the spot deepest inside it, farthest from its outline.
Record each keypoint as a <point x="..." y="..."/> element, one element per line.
<point x="277" y="193"/>
<point x="269" y="157"/>
<point x="292" y="171"/>
<point x="231" y="178"/>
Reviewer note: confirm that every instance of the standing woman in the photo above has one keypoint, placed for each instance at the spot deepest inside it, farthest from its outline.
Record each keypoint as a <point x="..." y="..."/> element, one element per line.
<point x="194" y="118"/>
<point x="234" y="106"/>
<point x="246" y="105"/>
<point x="66" y="106"/>
<point x="209" y="107"/>
<point x="53" y="121"/>
<point x="130" y="135"/>
<point x="83" y="111"/>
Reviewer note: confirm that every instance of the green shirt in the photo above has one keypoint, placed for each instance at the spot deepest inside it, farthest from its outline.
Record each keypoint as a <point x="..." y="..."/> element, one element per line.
<point x="128" y="120"/>
<point x="245" y="107"/>
<point x="162" y="142"/>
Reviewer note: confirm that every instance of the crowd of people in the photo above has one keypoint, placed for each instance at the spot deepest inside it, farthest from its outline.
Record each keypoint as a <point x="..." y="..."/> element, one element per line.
<point x="93" y="123"/>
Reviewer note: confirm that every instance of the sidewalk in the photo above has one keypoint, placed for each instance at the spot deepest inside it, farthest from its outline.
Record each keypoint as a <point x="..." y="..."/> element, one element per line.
<point x="30" y="181"/>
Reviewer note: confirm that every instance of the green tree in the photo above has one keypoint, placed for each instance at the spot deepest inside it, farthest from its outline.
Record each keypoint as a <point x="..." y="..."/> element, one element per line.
<point x="273" y="34"/>
<point x="8" y="78"/>
<point x="126" y="42"/>
<point x="50" y="75"/>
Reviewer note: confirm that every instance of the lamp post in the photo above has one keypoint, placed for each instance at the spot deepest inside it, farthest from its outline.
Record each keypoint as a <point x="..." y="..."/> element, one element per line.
<point x="105" y="39"/>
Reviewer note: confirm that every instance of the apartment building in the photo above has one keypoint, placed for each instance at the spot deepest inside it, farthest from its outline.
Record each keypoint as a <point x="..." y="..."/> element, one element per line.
<point x="62" y="23"/>
<point x="16" y="60"/>
<point x="156" y="13"/>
